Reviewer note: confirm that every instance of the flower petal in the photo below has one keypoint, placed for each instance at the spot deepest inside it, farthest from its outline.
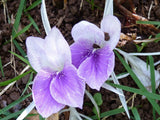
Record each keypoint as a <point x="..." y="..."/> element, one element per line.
<point x="80" y="51"/>
<point x="87" y="31"/>
<point x="68" y="88"/>
<point x="57" y="50"/>
<point x="110" y="24"/>
<point x="44" y="102"/>
<point x="35" y="50"/>
<point x="97" y="68"/>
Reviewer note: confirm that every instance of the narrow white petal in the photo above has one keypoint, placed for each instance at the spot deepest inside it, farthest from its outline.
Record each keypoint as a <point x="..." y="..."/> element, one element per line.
<point x="44" y="17"/>
<point x="108" y="87"/>
<point x="108" y="10"/>
<point x="122" y="98"/>
<point x="26" y="111"/>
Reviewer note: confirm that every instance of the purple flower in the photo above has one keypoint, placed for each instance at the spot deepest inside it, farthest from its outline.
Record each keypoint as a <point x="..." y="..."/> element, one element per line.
<point x="91" y="53"/>
<point x="56" y="83"/>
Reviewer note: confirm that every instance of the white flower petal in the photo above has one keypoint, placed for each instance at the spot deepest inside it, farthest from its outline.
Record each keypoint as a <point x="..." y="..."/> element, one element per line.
<point x="85" y="30"/>
<point x="57" y="50"/>
<point x="35" y="51"/>
<point x="110" y="24"/>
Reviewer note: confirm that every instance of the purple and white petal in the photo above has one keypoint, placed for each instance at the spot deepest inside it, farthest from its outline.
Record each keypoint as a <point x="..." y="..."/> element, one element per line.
<point x="110" y="24"/>
<point x="68" y="88"/>
<point x="97" y="68"/>
<point x="87" y="31"/>
<point x="57" y="50"/>
<point x="35" y="51"/>
<point x="80" y="51"/>
<point x="42" y="98"/>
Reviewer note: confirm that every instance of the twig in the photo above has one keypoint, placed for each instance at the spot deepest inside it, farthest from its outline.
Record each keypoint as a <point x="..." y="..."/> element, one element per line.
<point x="60" y="21"/>
<point x="150" y="8"/>
<point x="81" y="4"/>
<point x="146" y="40"/>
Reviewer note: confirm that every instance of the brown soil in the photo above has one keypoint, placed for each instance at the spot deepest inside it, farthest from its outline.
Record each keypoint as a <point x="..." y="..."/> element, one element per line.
<point x="64" y="19"/>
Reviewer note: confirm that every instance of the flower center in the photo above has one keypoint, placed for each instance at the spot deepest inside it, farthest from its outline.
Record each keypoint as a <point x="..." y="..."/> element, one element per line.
<point x="95" y="46"/>
<point x="107" y="37"/>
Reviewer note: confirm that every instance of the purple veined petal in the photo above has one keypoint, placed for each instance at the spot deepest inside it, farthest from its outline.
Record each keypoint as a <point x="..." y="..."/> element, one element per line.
<point x="68" y="88"/>
<point x="57" y="50"/>
<point x="80" y="51"/>
<point x="97" y="68"/>
<point x="110" y="24"/>
<point x="42" y="98"/>
<point x="35" y="50"/>
<point x="88" y="31"/>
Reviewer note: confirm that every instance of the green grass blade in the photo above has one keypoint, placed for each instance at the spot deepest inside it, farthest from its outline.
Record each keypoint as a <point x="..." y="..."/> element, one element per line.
<point x="1" y="67"/>
<point x="14" y="79"/>
<point x="21" y="58"/>
<point x="153" y="83"/>
<point x="14" y="103"/>
<point x="16" y="25"/>
<point x="135" y="113"/>
<point x="148" y="22"/>
<point x="122" y="98"/>
<point x="152" y="71"/>
<point x="37" y="2"/>
<point x="30" y="79"/>
<point x="33" y="22"/>
<point x="18" y="17"/>
<point x="19" y="48"/>
<point x="22" y="31"/>
<point x="13" y="115"/>
<point x="137" y="81"/>
<point x="135" y="78"/>
<point x="109" y="113"/>
<point x="129" y="70"/>
<point x="137" y="91"/>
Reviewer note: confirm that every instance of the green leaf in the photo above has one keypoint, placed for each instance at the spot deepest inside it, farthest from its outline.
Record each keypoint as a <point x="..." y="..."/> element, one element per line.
<point x="98" y="98"/>
<point x="135" y="113"/>
<point x="21" y="58"/>
<point x="137" y="91"/>
<point x="33" y="22"/>
<point x="36" y="3"/>
<point x="95" y="112"/>
<point x="14" y="103"/>
<point x="16" y="25"/>
<point x="148" y="22"/>
<point x="153" y="83"/>
<point x="41" y="118"/>
<point x="109" y="113"/>
<point x="18" y="17"/>
<point x="152" y="71"/>
<point x="14" y="79"/>
<point x="19" y="48"/>
<point x="12" y="115"/>
<point x="1" y="67"/>
<point x="158" y="35"/>
<point x="22" y="31"/>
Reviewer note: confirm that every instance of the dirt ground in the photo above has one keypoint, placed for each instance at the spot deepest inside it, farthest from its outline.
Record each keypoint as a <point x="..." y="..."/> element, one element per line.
<point x="64" y="19"/>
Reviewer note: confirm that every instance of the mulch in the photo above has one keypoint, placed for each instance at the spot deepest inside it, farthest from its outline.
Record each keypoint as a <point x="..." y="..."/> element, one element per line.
<point x="65" y="19"/>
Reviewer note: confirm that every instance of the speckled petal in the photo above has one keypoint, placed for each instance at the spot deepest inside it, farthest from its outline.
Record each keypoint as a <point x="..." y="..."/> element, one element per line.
<point x="87" y="31"/>
<point x="97" y="68"/>
<point x="42" y="98"/>
<point x="35" y="50"/>
<point x="110" y="24"/>
<point x="68" y="88"/>
<point x="80" y="51"/>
